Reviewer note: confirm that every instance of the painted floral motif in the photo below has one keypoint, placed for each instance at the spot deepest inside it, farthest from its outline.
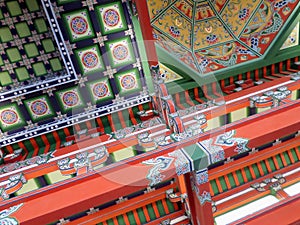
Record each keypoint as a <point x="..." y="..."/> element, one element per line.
<point x="79" y="25"/>
<point x="204" y="197"/>
<point x="39" y="107"/>
<point x="182" y="164"/>
<point x="244" y="14"/>
<point x="90" y="59"/>
<point x="4" y="215"/>
<point x="282" y="3"/>
<point x="100" y="90"/>
<point x="202" y="176"/>
<point x="70" y="98"/>
<point x="88" y="160"/>
<point x="128" y="82"/>
<point x="9" y="116"/>
<point x="158" y="164"/>
<point x="174" y="31"/>
<point x="120" y="52"/>
<point x="111" y="17"/>
<point x="228" y="139"/>
<point x="211" y="39"/>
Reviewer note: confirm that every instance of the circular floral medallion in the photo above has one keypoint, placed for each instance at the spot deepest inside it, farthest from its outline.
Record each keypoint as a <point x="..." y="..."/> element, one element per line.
<point x="9" y="116"/>
<point x="70" y="98"/>
<point x="100" y="90"/>
<point x="39" y="107"/>
<point x="111" y="17"/>
<point x="120" y="52"/>
<point x="89" y="59"/>
<point x="128" y="82"/>
<point x="79" y="25"/>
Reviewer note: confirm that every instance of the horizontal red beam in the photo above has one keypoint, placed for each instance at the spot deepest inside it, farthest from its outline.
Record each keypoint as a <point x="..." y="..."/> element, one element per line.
<point x="81" y="196"/>
<point x="124" y="207"/>
<point x="130" y="141"/>
<point x="257" y="157"/>
<point x="252" y="195"/>
<point x="285" y="212"/>
<point x="128" y="178"/>
<point x="259" y="130"/>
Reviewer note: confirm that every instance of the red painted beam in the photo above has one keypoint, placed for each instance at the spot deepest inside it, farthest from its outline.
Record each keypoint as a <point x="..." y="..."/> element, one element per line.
<point x="82" y="196"/>
<point x="124" y="207"/>
<point x="144" y="18"/>
<point x="286" y="211"/>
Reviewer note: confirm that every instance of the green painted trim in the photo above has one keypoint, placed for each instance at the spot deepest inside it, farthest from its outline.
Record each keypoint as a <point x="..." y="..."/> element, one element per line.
<point x="173" y="40"/>
<point x="250" y="18"/>
<point x="274" y="48"/>
<point x="232" y="34"/>
<point x="182" y="14"/>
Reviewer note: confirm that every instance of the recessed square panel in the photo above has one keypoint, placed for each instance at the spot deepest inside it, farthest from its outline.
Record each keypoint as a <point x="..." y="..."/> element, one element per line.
<point x="5" y="78"/>
<point x="32" y="5"/>
<point x="39" y="108"/>
<point x="14" y="8"/>
<point x="111" y="17"/>
<point x="40" y="25"/>
<point x="22" y="29"/>
<point x="64" y="1"/>
<point x="39" y="69"/>
<point x="100" y="90"/>
<point x="89" y="59"/>
<point x="120" y="52"/>
<point x="55" y="64"/>
<point x="10" y="118"/>
<point x="13" y="54"/>
<point x="128" y="82"/>
<point x="79" y="25"/>
<point x="31" y="50"/>
<point x="69" y="99"/>
<point x="5" y="34"/>
<point x="48" y="45"/>
<point x="22" y="73"/>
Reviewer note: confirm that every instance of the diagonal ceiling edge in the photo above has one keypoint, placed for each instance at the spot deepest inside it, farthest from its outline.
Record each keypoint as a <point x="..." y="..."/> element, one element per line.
<point x="274" y="48"/>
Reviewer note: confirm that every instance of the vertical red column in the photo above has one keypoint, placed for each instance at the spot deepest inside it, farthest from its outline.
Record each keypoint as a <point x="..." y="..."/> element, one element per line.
<point x="199" y="197"/>
<point x="149" y="42"/>
<point x="144" y="18"/>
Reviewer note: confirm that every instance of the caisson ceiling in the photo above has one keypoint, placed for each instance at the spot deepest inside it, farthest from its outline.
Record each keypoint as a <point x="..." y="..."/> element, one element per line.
<point x="216" y="34"/>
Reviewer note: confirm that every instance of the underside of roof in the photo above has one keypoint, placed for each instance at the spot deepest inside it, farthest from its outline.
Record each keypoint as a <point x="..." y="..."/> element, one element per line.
<point x="209" y="36"/>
